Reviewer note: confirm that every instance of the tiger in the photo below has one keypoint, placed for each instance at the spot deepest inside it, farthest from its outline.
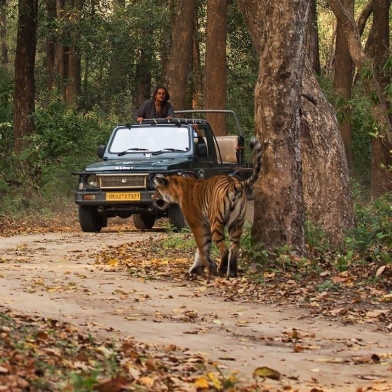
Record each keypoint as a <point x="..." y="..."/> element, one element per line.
<point x="208" y="205"/>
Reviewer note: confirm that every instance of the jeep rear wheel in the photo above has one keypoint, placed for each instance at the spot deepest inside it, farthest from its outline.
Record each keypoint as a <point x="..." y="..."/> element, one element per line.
<point x="91" y="221"/>
<point x="143" y="221"/>
<point x="176" y="218"/>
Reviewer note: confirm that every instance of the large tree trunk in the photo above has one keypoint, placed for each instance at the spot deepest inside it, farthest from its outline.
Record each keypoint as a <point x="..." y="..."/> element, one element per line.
<point x="380" y="183"/>
<point x="278" y="32"/>
<point x="326" y="182"/>
<point x="24" y="93"/>
<point x="215" y="70"/>
<point x="181" y="53"/>
<point x="343" y="79"/>
<point x="325" y="173"/>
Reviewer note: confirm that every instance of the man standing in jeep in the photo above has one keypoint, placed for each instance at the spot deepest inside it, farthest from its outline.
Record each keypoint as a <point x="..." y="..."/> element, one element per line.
<point x="156" y="107"/>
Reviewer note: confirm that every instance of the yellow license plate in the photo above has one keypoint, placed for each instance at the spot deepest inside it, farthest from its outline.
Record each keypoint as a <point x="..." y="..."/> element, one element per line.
<point x="120" y="196"/>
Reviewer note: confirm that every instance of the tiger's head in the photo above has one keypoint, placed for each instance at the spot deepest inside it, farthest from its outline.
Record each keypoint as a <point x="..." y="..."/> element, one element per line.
<point x="164" y="194"/>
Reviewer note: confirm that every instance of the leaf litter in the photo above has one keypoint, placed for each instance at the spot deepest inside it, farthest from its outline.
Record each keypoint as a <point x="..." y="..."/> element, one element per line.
<point x="39" y="354"/>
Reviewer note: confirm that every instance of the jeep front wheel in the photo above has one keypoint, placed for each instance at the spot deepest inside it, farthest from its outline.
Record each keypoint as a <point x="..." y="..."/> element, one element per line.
<point x="143" y="221"/>
<point x="91" y="221"/>
<point x="176" y="218"/>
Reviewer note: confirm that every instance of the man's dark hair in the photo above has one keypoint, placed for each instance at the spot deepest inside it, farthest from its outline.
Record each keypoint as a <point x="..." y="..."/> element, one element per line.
<point x="167" y="97"/>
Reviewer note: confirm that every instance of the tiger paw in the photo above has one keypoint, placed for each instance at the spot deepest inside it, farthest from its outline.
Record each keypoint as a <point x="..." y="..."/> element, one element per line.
<point x="197" y="270"/>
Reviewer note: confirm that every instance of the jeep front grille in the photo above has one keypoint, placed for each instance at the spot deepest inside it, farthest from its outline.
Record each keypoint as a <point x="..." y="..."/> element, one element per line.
<point x="109" y="181"/>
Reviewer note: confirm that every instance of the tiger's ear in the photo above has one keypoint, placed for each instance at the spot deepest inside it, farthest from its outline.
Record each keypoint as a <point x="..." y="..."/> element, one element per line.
<point x="160" y="180"/>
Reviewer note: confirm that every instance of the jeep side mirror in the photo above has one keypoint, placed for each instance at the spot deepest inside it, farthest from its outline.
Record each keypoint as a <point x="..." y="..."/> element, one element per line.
<point x="101" y="150"/>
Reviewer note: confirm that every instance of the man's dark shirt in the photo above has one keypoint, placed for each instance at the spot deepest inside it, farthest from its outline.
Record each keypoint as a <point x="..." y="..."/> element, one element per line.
<point x="147" y="110"/>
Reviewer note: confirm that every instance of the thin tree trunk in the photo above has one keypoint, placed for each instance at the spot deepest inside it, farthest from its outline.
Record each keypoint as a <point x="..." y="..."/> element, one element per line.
<point x="381" y="178"/>
<point x="364" y="16"/>
<point x="3" y="33"/>
<point x="215" y="77"/>
<point x="24" y="94"/>
<point x="144" y="72"/>
<point x="50" y="45"/>
<point x="60" y="60"/>
<point x="181" y="53"/>
<point x="343" y="79"/>
<point x="197" y="76"/>
<point x="72" y="90"/>
<point x="312" y="40"/>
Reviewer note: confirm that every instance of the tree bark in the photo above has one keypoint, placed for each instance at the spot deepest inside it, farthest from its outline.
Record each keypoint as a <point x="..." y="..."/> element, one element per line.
<point x="197" y="75"/>
<point x="364" y="16"/>
<point x="60" y="60"/>
<point x="181" y="53"/>
<point x="50" y="45"/>
<point x="144" y="75"/>
<point x="215" y="77"/>
<point x="312" y="40"/>
<point x="72" y="90"/>
<point x="24" y="94"/>
<point x="343" y="79"/>
<point x="278" y="32"/>
<point x="326" y="181"/>
<point x="325" y="178"/>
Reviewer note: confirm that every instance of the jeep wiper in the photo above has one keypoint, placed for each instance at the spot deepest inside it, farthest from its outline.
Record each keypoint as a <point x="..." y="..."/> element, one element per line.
<point x="167" y="150"/>
<point x="131" y="149"/>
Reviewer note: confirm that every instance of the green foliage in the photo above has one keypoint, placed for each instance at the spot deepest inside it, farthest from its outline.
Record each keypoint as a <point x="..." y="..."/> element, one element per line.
<point x="259" y="259"/>
<point x="64" y="141"/>
<point x="369" y="242"/>
<point x="363" y="126"/>
<point x="242" y="64"/>
<point x="315" y="237"/>
<point x="6" y="88"/>
<point x="372" y="237"/>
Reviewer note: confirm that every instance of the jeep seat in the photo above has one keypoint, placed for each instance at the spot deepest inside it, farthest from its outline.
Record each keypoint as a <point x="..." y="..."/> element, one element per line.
<point x="228" y="146"/>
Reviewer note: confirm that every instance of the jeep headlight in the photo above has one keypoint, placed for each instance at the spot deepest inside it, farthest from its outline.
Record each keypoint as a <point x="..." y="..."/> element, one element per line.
<point x="92" y="181"/>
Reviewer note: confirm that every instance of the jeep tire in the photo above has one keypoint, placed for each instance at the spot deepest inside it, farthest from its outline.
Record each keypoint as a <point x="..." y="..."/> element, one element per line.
<point x="91" y="221"/>
<point x="143" y="221"/>
<point x="176" y="218"/>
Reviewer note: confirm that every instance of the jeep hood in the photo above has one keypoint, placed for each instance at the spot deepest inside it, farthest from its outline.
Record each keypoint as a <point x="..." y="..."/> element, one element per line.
<point x="157" y="163"/>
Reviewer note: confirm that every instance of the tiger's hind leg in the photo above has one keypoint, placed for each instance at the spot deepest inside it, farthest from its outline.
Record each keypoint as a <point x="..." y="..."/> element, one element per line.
<point x="218" y="235"/>
<point x="203" y="256"/>
<point x="229" y="264"/>
<point x="235" y="236"/>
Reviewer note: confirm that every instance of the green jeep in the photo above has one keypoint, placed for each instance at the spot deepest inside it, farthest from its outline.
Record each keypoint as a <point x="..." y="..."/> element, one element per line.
<point x="121" y="184"/>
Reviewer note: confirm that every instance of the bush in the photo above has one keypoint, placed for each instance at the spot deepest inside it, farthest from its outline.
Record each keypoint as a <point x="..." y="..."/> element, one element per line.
<point x="372" y="237"/>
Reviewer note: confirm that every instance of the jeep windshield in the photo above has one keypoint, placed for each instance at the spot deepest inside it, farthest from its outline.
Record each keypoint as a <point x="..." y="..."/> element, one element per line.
<point x="150" y="139"/>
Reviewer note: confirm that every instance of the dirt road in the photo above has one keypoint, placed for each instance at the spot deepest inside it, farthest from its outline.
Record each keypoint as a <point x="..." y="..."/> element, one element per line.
<point x="55" y="275"/>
